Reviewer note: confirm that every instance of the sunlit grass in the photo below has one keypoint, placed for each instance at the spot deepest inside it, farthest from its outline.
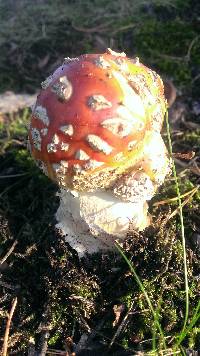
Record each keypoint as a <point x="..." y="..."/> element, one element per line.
<point x="151" y="307"/>
<point x="188" y="325"/>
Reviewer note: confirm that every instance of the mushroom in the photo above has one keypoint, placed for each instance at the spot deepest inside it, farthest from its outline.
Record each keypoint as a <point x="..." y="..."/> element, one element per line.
<point x="95" y="130"/>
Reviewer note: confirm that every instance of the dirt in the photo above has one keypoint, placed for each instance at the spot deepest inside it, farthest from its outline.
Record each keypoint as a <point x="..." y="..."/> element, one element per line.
<point x="64" y="303"/>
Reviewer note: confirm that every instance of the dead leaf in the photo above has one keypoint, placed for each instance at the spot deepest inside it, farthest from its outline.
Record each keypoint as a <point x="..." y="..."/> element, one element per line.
<point x="187" y="155"/>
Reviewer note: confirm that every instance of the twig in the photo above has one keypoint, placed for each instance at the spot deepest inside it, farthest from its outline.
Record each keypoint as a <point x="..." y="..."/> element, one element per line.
<point x="9" y="252"/>
<point x="6" y="336"/>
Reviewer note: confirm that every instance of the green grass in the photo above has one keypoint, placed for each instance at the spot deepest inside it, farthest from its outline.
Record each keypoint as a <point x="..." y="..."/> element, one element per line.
<point x="35" y="39"/>
<point x="42" y="264"/>
<point x="157" y="325"/>
<point x="164" y="260"/>
<point x="188" y="325"/>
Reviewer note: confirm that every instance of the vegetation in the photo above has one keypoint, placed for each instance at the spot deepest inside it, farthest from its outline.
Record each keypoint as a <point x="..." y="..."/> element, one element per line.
<point x="145" y="297"/>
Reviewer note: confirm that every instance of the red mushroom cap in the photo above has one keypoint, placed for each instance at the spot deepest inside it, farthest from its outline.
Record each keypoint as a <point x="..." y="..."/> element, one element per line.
<point x="91" y="117"/>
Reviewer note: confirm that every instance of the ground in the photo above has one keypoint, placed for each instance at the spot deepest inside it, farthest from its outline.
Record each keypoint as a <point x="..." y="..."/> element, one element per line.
<point x="60" y="297"/>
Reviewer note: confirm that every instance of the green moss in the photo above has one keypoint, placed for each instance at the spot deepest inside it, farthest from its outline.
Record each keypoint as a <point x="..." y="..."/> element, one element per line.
<point x="167" y="44"/>
<point x="18" y="126"/>
<point x="55" y="287"/>
<point x="53" y="339"/>
<point x="193" y="337"/>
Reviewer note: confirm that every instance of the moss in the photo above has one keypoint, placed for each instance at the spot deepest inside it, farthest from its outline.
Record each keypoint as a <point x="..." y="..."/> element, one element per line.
<point x="78" y="292"/>
<point x="193" y="337"/>
<point x="39" y="36"/>
<point x="53" y="339"/>
<point x="53" y="286"/>
<point x="167" y="44"/>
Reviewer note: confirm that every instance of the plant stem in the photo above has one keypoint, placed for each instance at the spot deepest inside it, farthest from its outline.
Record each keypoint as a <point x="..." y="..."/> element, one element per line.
<point x="182" y="230"/>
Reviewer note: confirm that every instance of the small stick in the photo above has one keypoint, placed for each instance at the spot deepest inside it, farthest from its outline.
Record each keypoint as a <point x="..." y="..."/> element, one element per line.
<point x="6" y="336"/>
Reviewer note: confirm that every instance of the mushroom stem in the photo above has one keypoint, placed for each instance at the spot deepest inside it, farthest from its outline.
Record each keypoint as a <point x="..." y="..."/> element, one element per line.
<point x="93" y="221"/>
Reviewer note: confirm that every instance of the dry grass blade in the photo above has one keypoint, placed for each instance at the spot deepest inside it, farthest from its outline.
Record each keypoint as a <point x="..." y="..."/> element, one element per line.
<point x="101" y="28"/>
<point x="171" y="200"/>
<point x="13" y="175"/>
<point x="9" y="252"/>
<point x="180" y="210"/>
<point x="167" y="352"/>
<point x="176" y="211"/>
<point x="6" y="335"/>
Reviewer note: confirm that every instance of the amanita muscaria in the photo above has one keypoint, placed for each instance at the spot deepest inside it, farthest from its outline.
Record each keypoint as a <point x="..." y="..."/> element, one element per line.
<point x="95" y="130"/>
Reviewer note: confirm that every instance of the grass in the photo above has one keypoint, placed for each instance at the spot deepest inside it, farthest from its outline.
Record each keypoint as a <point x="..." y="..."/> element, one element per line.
<point x="157" y="327"/>
<point x="39" y="261"/>
<point x="37" y="38"/>
<point x="195" y="317"/>
<point x="54" y="288"/>
<point x="182" y="229"/>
